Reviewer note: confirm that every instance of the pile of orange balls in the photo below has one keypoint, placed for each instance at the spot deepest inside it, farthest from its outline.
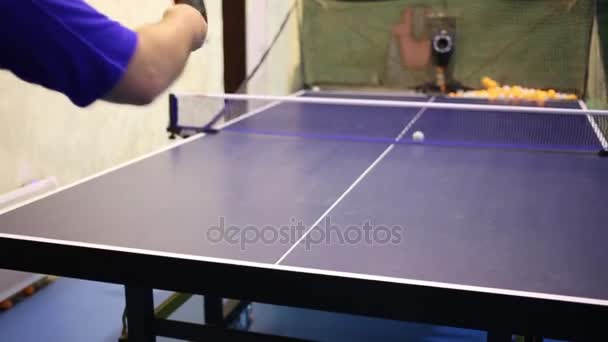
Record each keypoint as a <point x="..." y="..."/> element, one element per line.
<point x="493" y="91"/>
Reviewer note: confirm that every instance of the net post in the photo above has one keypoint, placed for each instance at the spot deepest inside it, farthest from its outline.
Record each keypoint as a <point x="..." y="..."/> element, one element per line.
<point x="173" y="108"/>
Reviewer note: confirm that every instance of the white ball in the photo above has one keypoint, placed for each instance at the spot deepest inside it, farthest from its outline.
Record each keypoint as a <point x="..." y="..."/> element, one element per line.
<point x="316" y="89"/>
<point x="418" y="137"/>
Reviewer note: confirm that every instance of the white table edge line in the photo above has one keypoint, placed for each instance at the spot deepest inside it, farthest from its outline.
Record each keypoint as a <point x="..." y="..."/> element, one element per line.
<point x="271" y="266"/>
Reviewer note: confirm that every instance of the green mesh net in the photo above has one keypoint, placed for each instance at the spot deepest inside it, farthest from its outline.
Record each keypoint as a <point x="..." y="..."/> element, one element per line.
<point x="543" y="44"/>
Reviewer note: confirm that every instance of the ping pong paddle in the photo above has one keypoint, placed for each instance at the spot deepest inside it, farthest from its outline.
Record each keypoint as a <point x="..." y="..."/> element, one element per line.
<point x="198" y="4"/>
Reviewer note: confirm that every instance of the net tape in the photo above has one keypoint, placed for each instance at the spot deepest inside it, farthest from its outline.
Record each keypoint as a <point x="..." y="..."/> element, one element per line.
<point x="452" y="123"/>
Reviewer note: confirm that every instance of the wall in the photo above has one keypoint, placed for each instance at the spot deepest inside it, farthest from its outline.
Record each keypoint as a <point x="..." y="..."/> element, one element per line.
<point x="43" y="135"/>
<point x="280" y="74"/>
<point x="597" y="92"/>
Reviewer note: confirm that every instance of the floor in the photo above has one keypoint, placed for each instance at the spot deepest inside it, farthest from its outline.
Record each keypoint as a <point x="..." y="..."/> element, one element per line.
<point x="73" y="310"/>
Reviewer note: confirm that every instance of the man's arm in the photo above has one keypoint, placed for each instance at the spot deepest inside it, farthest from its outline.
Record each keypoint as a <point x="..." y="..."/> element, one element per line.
<point x="69" y="47"/>
<point x="162" y="51"/>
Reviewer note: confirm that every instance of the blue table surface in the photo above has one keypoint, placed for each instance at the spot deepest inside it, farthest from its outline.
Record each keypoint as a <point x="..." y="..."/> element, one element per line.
<point x="443" y="127"/>
<point x="519" y="219"/>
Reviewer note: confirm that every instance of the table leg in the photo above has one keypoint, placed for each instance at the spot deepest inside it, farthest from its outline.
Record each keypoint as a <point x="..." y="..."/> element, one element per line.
<point x="140" y="314"/>
<point x="532" y="339"/>
<point x="214" y="311"/>
<point x="499" y="336"/>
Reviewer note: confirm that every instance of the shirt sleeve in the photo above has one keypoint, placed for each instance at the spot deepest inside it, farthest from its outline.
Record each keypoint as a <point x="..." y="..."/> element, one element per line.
<point x="64" y="45"/>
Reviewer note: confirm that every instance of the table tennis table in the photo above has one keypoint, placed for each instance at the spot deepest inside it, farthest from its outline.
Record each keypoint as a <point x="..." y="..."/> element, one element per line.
<point x="495" y="222"/>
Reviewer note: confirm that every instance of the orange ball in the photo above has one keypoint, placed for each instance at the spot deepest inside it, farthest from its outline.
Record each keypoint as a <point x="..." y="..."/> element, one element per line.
<point x="6" y="305"/>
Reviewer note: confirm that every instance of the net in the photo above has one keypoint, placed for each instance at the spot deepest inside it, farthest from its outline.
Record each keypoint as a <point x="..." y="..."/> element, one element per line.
<point x="602" y="20"/>
<point x="396" y="119"/>
<point x="542" y="44"/>
<point x="549" y="46"/>
<point x="546" y="53"/>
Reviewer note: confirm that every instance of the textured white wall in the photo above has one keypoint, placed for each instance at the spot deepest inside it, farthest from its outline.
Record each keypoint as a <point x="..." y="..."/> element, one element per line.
<point x="597" y="82"/>
<point x="42" y="134"/>
<point x="280" y="74"/>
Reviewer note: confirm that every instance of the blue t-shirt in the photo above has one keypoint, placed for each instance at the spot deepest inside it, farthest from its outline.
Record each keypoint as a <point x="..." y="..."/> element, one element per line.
<point x="64" y="45"/>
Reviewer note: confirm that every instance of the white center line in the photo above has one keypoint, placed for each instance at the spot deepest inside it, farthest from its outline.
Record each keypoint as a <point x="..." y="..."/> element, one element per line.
<point x="413" y="122"/>
<point x="350" y="188"/>
<point x="357" y="181"/>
